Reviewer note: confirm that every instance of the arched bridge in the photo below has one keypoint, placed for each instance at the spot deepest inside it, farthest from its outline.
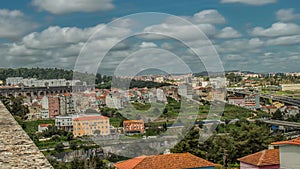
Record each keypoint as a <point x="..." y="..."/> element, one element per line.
<point x="40" y="91"/>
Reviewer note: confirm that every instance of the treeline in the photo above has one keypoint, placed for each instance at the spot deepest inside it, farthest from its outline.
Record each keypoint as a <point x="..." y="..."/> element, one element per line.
<point x="132" y="83"/>
<point x="102" y="81"/>
<point x="52" y="73"/>
<point x="39" y="73"/>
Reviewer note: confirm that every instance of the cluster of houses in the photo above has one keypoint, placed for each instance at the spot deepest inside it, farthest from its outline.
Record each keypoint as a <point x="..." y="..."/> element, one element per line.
<point x="250" y="101"/>
<point x="52" y="105"/>
<point x="253" y="102"/>
<point x="93" y="125"/>
<point x="280" y="155"/>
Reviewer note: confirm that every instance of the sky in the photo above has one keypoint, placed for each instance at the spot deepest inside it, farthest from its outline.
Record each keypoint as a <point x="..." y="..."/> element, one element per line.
<point x="117" y="36"/>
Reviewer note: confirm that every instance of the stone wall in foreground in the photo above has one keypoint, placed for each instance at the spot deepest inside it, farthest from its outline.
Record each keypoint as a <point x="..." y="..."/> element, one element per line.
<point x="17" y="150"/>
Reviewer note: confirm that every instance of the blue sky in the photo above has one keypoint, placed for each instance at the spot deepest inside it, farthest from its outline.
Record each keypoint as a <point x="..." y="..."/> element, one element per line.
<point x="255" y="35"/>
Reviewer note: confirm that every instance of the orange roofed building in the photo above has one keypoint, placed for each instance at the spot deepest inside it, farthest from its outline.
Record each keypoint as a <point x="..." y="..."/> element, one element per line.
<point x="266" y="159"/>
<point x="91" y="125"/>
<point x="166" y="161"/>
<point x="133" y="126"/>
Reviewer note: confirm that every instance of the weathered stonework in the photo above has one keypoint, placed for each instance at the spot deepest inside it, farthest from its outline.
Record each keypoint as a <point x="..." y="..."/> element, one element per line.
<point x="17" y="150"/>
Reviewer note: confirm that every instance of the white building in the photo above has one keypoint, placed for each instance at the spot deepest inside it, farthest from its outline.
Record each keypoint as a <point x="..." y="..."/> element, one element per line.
<point x="290" y="87"/>
<point x="160" y="95"/>
<point x="44" y="102"/>
<point x="289" y="153"/>
<point x="43" y="127"/>
<point x="33" y="82"/>
<point x="65" y="122"/>
<point x="113" y="101"/>
<point x="45" y="113"/>
<point x="14" y="80"/>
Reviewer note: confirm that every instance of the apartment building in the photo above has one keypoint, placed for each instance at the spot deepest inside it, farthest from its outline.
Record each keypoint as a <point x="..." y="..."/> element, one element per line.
<point x="91" y="125"/>
<point x="53" y="105"/>
<point x="65" y="122"/>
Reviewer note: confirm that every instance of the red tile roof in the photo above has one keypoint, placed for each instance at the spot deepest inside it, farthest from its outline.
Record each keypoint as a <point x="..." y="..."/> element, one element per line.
<point x="84" y="118"/>
<point x="67" y="94"/>
<point x="268" y="107"/>
<point x="165" y="161"/>
<point x="130" y="164"/>
<point x="295" y="141"/>
<point x="133" y="121"/>
<point x="234" y="97"/>
<point x="45" y="125"/>
<point x="262" y="158"/>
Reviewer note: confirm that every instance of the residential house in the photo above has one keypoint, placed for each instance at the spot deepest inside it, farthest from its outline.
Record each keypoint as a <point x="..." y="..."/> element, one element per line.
<point x="289" y="152"/>
<point x="269" y="109"/>
<point x="133" y="126"/>
<point x="166" y="161"/>
<point x="91" y="125"/>
<point x="43" y="127"/>
<point x="239" y="101"/>
<point x="290" y="110"/>
<point x="266" y="159"/>
<point x="34" y="111"/>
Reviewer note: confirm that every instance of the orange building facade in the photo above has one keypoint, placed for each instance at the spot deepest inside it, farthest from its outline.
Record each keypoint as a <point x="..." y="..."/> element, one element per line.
<point x="133" y="126"/>
<point x="91" y="125"/>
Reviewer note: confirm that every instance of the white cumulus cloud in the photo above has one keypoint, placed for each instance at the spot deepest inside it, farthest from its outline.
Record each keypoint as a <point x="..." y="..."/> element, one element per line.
<point x="148" y="45"/>
<point x="69" y="6"/>
<point x="13" y="24"/>
<point x="284" y="40"/>
<point x="277" y="29"/>
<point x="210" y="16"/>
<point x="228" y="32"/>
<point x="250" y="2"/>
<point x="285" y="15"/>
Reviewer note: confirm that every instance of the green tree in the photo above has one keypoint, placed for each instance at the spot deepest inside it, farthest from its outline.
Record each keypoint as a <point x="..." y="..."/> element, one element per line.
<point x="59" y="147"/>
<point x="277" y="115"/>
<point x="73" y="145"/>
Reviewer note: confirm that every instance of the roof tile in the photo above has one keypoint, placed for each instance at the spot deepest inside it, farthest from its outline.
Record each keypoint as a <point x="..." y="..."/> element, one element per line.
<point x="165" y="161"/>
<point x="262" y="158"/>
<point x="295" y="141"/>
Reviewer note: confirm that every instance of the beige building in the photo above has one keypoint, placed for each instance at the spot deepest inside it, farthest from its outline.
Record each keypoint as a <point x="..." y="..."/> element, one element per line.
<point x="91" y="125"/>
<point x="290" y="87"/>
